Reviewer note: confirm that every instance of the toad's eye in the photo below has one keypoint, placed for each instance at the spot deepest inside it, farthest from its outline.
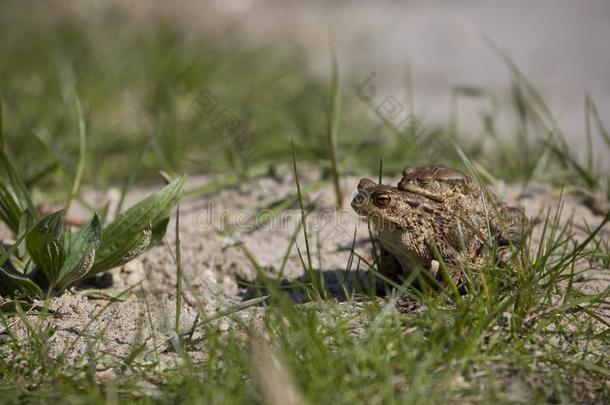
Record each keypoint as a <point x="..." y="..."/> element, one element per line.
<point x="381" y="200"/>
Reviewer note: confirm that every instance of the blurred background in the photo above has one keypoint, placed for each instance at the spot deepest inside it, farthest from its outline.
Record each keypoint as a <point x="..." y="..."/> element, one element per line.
<point x="225" y="86"/>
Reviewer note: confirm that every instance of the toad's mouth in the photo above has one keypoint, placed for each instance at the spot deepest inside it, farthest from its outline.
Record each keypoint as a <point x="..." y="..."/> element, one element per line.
<point x="382" y="224"/>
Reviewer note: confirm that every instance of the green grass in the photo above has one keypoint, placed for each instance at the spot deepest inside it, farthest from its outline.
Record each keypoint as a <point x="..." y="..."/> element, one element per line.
<point x="139" y="88"/>
<point x="527" y="331"/>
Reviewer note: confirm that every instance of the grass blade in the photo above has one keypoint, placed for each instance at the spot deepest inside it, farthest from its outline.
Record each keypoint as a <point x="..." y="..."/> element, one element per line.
<point x="14" y="195"/>
<point x="334" y="126"/>
<point x="80" y="168"/>
<point x="301" y="207"/>
<point x="178" y="273"/>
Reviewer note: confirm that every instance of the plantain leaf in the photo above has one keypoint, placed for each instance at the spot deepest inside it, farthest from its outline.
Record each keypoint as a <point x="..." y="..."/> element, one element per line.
<point x="80" y="253"/>
<point x="45" y="244"/>
<point x="25" y="224"/>
<point x="140" y="242"/>
<point x="133" y="231"/>
<point x="10" y="278"/>
<point x="158" y="232"/>
<point x="10" y="212"/>
<point x="135" y="244"/>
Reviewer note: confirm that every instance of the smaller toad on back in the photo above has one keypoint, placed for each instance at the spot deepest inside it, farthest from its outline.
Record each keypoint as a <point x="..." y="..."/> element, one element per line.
<point x="436" y="207"/>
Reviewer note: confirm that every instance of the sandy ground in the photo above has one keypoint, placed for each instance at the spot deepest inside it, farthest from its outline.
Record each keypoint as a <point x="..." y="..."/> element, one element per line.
<point x="216" y="264"/>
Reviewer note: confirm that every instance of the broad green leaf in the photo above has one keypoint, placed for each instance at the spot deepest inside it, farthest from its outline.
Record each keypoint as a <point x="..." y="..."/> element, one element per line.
<point x="10" y="211"/>
<point x="139" y="243"/>
<point x="134" y="245"/>
<point x="158" y="232"/>
<point x="80" y="253"/>
<point x="25" y="224"/>
<point x="125" y="236"/>
<point x="10" y="278"/>
<point x="45" y="244"/>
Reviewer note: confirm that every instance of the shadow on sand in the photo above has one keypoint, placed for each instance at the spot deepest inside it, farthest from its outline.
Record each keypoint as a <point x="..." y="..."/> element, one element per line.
<point x="340" y="285"/>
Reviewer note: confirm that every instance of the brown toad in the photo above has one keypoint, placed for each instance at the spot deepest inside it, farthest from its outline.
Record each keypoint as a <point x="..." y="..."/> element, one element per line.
<point x="435" y="206"/>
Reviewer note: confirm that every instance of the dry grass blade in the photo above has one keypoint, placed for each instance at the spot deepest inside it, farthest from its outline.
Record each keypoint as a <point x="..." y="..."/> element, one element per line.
<point x="272" y="376"/>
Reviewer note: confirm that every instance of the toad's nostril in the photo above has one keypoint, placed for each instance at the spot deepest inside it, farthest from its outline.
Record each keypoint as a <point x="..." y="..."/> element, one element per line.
<point x="359" y="200"/>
